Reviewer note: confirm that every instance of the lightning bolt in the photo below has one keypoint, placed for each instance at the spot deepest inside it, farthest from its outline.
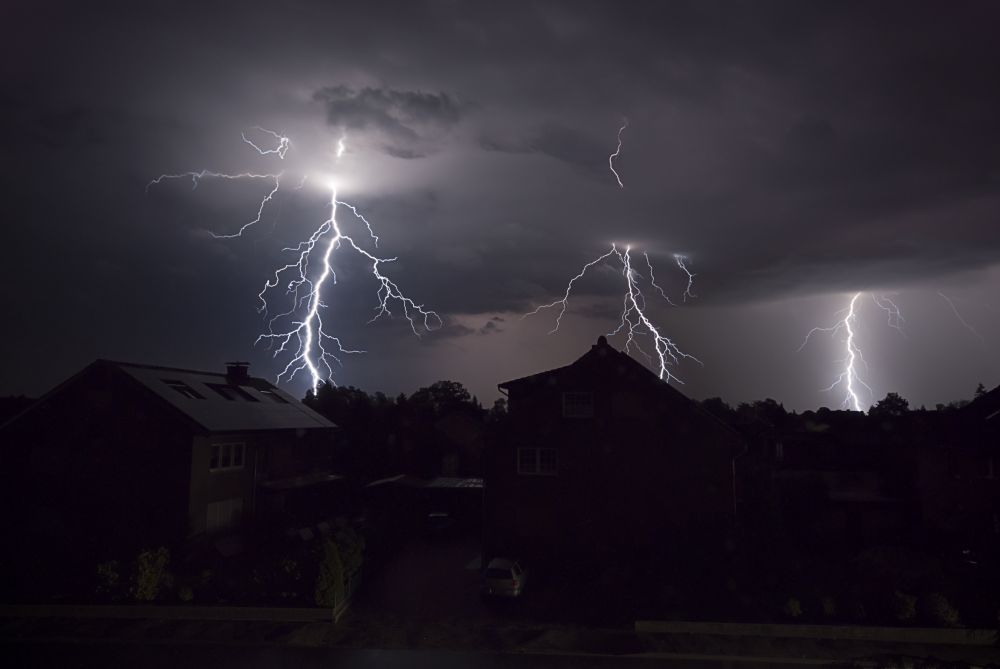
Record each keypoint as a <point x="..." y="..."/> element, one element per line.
<point x="281" y="149"/>
<point x="962" y="320"/>
<point x="850" y="378"/>
<point x="618" y="150"/>
<point x="310" y="347"/>
<point x="690" y="284"/>
<point x="634" y="321"/>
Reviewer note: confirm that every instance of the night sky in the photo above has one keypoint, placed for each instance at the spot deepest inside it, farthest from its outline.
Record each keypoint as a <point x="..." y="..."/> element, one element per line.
<point x="794" y="152"/>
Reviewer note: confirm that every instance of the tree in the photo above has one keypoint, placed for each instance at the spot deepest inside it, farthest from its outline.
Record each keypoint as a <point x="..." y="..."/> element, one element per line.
<point x="980" y="390"/>
<point x="718" y="408"/>
<point x="891" y="406"/>
<point x="442" y="396"/>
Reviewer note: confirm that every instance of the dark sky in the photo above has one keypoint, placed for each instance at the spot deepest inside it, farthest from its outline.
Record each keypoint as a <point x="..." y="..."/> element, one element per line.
<point x="795" y="152"/>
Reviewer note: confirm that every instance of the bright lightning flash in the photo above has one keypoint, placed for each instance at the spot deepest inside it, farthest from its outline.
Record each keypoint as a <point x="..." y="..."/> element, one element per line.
<point x="305" y="339"/>
<point x="849" y="378"/>
<point x="634" y="322"/>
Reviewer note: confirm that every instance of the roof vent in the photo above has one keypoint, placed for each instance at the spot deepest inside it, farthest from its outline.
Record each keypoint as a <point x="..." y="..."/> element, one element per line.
<point x="238" y="371"/>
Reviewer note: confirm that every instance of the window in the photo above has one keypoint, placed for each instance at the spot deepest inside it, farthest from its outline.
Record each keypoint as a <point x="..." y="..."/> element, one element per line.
<point x="231" y="393"/>
<point x="578" y="405"/>
<point x="273" y="396"/>
<point x="539" y="461"/>
<point x="184" y="389"/>
<point x="220" y="515"/>
<point x="226" y="456"/>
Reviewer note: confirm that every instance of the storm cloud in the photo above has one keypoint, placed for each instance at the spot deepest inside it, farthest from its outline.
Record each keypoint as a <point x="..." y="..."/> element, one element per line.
<point x="794" y="152"/>
<point x="407" y="119"/>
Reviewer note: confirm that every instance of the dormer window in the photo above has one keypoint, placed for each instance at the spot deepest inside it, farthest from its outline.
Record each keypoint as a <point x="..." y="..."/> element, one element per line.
<point x="231" y="393"/>
<point x="184" y="389"/>
<point x="273" y="396"/>
<point x="578" y="405"/>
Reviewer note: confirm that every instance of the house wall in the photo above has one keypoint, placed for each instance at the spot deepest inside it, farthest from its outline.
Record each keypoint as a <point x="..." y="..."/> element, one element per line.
<point x="270" y="455"/>
<point x="95" y="471"/>
<point x="647" y="470"/>
<point x="957" y="494"/>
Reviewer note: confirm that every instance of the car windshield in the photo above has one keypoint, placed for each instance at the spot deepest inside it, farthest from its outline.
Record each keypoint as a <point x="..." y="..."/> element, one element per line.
<point x="497" y="573"/>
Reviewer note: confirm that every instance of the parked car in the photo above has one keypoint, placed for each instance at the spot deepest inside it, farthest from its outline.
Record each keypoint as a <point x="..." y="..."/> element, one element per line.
<point x="503" y="577"/>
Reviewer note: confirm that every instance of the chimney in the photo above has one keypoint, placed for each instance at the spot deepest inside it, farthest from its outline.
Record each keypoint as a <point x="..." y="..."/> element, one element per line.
<point x="237" y="371"/>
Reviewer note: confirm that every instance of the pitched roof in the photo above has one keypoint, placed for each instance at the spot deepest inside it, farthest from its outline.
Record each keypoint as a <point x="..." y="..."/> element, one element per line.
<point x="600" y="354"/>
<point x="221" y="403"/>
<point x="603" y="355"/>
<point x="211" y="401"/>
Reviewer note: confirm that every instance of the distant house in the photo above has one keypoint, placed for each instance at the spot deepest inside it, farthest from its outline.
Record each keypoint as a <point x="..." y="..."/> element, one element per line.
<point x="958" y="473"/>
<point x="123" y="454"/>
<point x="832" y="479"/>
<point x="602" y="456"/>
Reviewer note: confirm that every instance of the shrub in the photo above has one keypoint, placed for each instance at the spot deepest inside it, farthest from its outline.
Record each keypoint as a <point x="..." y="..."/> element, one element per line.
<point x="185" y="593"/>
<point x="352" y="548"/>
<point x="109" y="578"/>
<point x="330" y="581"/>
<point x="792" y="608"/>
<point x="904" y="606"/>
<point x="940" y="610"/>
<point x="829" y="605"/>
<point x="150" y="574"/>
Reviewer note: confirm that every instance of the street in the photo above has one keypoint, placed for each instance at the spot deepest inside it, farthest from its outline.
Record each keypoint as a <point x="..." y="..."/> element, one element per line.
<point x="67" y="655"/>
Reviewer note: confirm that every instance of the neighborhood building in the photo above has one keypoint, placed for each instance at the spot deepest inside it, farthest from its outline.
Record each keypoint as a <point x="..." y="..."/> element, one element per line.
<point x="123" y="455"/>
<point x="603" y="456"/>
<point x="958" y="474"/>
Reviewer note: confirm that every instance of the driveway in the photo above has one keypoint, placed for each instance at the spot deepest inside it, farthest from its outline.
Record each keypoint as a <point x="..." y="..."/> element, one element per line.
<point x="429" y="580"/>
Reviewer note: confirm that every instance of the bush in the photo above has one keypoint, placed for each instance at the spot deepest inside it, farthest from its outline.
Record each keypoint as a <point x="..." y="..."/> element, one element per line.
<point x="352" y="548"/>
<point x="940" y="611"/>
<point x="150" y="574"/>
<point x="109" y="582"/>
<point x="792" y="608"/>
<point x="829" y="605"/>
<point x="904" y="606"/>
<point x="330" y="581"/>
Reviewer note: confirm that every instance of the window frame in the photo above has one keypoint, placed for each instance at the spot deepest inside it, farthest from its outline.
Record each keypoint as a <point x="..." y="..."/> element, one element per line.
<point x="570" y="409"/>
<point x="230" y="392"/>
<point x="183" y="388"/>
<point x="223" y="454"/>
<point x="532" y="464"/>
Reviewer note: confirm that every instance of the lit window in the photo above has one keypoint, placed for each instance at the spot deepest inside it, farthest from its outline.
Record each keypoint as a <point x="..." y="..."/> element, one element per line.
<point x="227" y="456"/>
<point x="578" y="405"/>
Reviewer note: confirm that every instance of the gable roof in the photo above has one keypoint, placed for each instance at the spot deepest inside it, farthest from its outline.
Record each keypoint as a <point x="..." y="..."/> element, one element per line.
<point x="600" y="355"/>
<point x="213" y="401"/>
<point x="986" y="407"/>
<point x="603" y="355"/>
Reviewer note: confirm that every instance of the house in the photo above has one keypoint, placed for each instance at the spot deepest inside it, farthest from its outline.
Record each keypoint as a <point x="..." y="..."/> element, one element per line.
<point x="958" y="474"/>
<point x="125" y="455"/>
<point x="602" y="457"/>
